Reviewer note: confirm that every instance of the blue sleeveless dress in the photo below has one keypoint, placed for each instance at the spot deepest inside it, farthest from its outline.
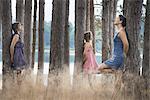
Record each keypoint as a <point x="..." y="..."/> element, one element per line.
<point x="117" y="59"/>
<point x="19" y="62"/>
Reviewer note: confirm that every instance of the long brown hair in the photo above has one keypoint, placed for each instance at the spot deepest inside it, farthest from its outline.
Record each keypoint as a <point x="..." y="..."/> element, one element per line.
<point x="88" y="36"/>
<point x="15" y="27"/>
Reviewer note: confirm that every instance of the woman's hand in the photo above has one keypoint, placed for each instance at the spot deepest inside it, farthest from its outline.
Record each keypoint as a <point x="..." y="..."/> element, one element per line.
<point x="125" y="55"/>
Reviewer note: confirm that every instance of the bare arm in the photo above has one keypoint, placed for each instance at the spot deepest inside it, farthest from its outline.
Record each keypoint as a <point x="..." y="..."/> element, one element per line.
<point x="86" y="47"/>
<point x="123" y="37"/>
<point x="13" y="43"/>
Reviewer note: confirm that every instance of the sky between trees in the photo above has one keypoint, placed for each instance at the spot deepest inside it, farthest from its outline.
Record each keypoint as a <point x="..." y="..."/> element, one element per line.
<point x="48" y="9"/>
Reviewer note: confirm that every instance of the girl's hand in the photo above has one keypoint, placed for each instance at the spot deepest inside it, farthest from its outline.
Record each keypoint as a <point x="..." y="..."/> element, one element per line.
<point x="11" y="59"/>
<point x="84" y="41"/>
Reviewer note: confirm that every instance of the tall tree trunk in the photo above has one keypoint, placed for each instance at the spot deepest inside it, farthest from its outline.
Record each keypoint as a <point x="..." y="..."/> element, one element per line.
<point x="88" y="15"/>
<point x="132" y="10"/>
<point x="6" y="33"/>
<point x="0" y="22"/>
<point x="27" y="31"/>
<point x="92" y="18"/>
<point x="146" y="52"/>
<point x="34" y="33"/>
<point x="108" y="15"/>
<point x="105" y="30"/>
<point x="66" y="36"/>
<point x="41" y="35"/>
<point x="80" y="22"/>
<point x="20" y="13"/>
<point x="57" y="35"/>
<point x="6" y="38"/>
<point x="112" y="15"/>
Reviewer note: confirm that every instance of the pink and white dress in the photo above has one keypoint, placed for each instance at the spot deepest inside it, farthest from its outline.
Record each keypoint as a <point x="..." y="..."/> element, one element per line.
<point x="90" y="64"/>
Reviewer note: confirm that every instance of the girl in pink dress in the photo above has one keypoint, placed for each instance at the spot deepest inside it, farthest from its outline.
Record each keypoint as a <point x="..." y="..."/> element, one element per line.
<point x="89" y="60"/>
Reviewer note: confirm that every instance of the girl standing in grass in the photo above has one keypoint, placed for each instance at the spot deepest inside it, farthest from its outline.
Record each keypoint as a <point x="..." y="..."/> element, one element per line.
<point x="18" y="62"/>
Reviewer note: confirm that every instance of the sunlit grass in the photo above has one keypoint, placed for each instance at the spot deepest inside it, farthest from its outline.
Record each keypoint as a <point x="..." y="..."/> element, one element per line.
<point x="58" y="88"/>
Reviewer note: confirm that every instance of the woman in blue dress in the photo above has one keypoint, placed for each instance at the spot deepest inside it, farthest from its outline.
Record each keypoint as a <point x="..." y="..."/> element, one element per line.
<point x="121" y="46"/>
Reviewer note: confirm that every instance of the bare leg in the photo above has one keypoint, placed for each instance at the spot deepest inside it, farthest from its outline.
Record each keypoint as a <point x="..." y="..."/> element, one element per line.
<point x="103" y="67"/>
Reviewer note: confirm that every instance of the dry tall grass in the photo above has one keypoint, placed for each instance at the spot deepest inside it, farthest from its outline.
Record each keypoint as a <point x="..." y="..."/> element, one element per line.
<point x="59" y="88"/>
<point x="99" y="87"/>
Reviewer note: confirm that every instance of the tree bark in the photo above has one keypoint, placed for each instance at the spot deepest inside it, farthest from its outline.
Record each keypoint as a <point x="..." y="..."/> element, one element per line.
<point x="34" y="33"/>
<point x="132" y="10"/>
<point x="6" y="40"/>
<point x="92" y="24"/>
<point x="80" y="22"/>
<point x="20" y="13"/>
<point x="27" y="31"/>
<point x="6" y="36"/>
<point x="1" y="22"/>
<point x="57" y="35"/>
<point x="88" y="15"/>
<point x="41" y="35"/>
<point x="146" y="52"/>
<point x="105" y="30"/>
<point x="90" y="19"/>
<point x="66" y="36"/>
<point x="112" y="15"/>
<point x="108" y="15"/>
